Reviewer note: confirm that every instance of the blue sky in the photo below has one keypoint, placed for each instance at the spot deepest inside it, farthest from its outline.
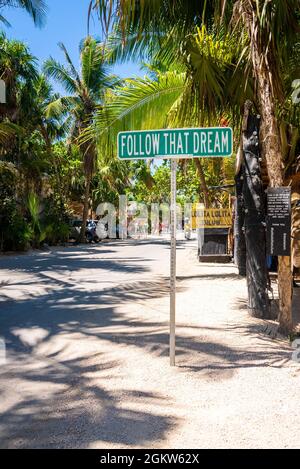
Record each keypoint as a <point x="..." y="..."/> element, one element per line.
<point x="67" y="23"/>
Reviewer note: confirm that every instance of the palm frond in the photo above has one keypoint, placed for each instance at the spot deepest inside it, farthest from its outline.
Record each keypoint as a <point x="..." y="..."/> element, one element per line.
<point x="36" y="8"/>
<point x="73" y="71"/>
<point x="139" y="47"/>
<point x="94" y="69"/>
<point x="58" y="72"/>
<point x="8" y="130"/>
<point x="61" y="106"/>
<point x="136" y="105"/>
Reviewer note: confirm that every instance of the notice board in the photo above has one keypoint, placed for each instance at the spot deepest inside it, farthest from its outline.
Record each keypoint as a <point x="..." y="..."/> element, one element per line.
<point x="279" y="221"/>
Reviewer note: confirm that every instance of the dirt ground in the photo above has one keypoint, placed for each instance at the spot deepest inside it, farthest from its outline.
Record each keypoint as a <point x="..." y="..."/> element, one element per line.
<point x="86" y="336"/>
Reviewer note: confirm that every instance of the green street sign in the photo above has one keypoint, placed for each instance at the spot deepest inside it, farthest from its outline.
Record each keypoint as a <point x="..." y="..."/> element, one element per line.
<point x="176" y="143"/>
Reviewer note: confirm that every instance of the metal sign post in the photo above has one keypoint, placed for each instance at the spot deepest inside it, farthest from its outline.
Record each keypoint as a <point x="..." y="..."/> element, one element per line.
<point x="173" y="264"/>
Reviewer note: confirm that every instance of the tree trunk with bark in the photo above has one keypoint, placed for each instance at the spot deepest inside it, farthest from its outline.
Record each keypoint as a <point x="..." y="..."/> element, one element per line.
<point x="271" y="148"/>
<point x="285" y="290"/>
<point x="89" y="162"/>
<point x="86" y="206"/>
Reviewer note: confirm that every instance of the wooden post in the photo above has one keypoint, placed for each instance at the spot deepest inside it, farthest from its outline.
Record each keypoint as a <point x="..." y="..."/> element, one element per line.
<point x="285" y="291"/>
<point x="255" y="233"/>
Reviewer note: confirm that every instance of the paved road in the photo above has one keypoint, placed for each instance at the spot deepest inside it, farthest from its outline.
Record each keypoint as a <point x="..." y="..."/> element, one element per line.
<point x="86" y="332"/>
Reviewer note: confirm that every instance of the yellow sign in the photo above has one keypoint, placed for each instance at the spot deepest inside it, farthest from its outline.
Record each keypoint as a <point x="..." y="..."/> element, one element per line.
<point x="214" y="218"/>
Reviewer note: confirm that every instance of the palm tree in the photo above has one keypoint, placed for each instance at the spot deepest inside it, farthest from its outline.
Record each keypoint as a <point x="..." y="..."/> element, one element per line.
<point x="27" y="97"/>
<point x="7" y="132"/>
<point x="34" y="117"/>
<point x="273" y="31"/>
<point x="86" y="92"/>
<point x="18" y="69"/>
<point x="207" y="85"/>
<point x="36" y="8"/>
<point x="269" y="33"/>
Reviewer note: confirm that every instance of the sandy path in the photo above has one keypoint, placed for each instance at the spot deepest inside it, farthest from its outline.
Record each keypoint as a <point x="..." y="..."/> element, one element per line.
<point x="86" y="331"/>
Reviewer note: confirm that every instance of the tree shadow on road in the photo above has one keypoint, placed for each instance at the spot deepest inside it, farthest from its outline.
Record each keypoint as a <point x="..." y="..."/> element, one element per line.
<point x="269" y="327"/>
<point x="65" y="405"/>
<point x="72" y="260"/>
<point x="63" y="400"/>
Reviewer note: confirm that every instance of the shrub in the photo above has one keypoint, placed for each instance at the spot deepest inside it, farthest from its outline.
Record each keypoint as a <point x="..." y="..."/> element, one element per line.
<point x="32" y="221"/>
<point x="15" y="233"/>
<point x="56" y="219"/>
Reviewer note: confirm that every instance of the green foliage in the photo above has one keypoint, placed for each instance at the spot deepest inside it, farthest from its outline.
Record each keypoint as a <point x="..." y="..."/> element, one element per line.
<point x="14" y="231"/>
<point x="39" y="221"/>
<point x="8" y="130"/>
<point x="49" y="220"/>
<point x="38" y="167"/>
<point x="8" y="177"/>
<point x="217" y="172"/>
<point x="111" y="179"/>
<point x="85" y="90"/>
<point x="66" y="175"/>
<point x="135" y="105"/>
<point x="36" y="8"/>
<point x="56" y="218"/>
<point x="199" y="73"/>
<point x="17" y="67"/>
<point x="39" y="232"/>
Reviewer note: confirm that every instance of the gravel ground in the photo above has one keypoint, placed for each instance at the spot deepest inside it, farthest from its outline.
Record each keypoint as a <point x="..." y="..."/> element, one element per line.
<point x="86" y="333"/>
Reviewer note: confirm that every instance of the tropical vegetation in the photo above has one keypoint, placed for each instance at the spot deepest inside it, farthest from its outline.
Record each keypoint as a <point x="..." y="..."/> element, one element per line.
<point x="202" y="62"/>
<point x="265" y="40"/>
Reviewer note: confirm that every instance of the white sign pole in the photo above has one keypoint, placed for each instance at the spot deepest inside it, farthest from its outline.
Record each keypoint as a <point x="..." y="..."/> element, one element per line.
<point x="173" y="263"/>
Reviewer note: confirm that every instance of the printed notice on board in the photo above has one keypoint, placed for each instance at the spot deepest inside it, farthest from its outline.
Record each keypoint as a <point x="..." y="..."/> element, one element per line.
<point x="279" y="221"/>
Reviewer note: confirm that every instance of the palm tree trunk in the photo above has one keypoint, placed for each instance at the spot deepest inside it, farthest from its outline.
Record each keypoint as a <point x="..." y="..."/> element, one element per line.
<point x="48" y="144"/>
<point x="272" y="152"/>
<point x="85" y="207"/>
<point x="203" y="185"/>
<point x="285" y="289"/>
<point x="88" y="165"/>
